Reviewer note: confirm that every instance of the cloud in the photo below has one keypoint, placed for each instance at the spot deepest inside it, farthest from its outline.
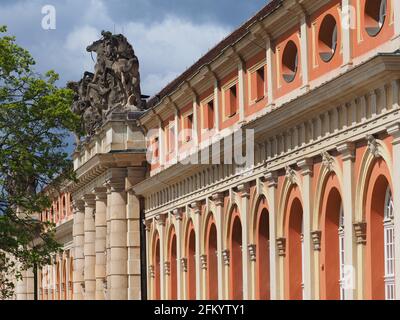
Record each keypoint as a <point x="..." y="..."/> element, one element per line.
<point x="165" y="46"/>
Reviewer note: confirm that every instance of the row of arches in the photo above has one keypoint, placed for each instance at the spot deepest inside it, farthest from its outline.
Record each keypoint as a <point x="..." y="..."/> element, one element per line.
<point x="328" y="238"/>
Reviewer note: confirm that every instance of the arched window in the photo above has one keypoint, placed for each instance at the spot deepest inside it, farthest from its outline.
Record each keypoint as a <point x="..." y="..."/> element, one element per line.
<point x="341" y="253"/>
<point x="389" y="246"/>
<point x="236" y="260"/>
<point x="157" y="270"/>
<point x="191" y="264"/>
<point x="212" y="268"/>
<point x="295" y="249"/>
<point x="263" y="250"/>
<point x="173" y="279"/>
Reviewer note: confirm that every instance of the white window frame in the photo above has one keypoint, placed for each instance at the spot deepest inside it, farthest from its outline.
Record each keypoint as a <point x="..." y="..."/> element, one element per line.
<point x="389" y="246"/>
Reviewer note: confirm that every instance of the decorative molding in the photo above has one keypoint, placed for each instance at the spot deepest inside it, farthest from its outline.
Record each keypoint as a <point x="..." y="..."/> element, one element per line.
<point x="306" y="166"/>
<point x="178" y="214"/>
<point x="147" y="224"/>
<point x="152" y="272"/>
<point x="160" y="219"/>
<point x="203" y="261"/>
<point x="347" y="150"/>
<point x="360" y="230"/>
<point x="281" y="246"/>
<point x="394" y="131"/>
<point x="226" y="257"/>
<point x="167" y="268"/>
<point x="327" y="160"/>
<point x="184" y="264"/>
<point x="78" y="206"/>
<point x="316" y="240"/>
<point x="373" y="146"/>
<point x="196" y="206"/>
<point x="218" y="199"/>
<point x="252" y="252"/>
<point x="290" y="174"/>
<point x="272" y="179"/>
<point x="244" y="190"/>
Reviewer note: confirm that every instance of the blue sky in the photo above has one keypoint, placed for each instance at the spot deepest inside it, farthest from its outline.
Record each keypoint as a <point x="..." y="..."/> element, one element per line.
<point x="167" y="35"/>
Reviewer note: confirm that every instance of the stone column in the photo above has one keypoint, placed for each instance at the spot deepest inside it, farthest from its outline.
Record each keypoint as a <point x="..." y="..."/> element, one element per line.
<point x="100" y="241"/>
<point x="108" y="224"/>
<point x="348" y="156"/>
<point x="89" y="247"/>
<point x="118" y="289"/>
<point x="218" y="199"/>
<point x="79" y="239"/>
<point x="133" y="240"/>
<point x="244" y="217"/>
<point x="271" y="179"/>
<point x="394" y="131"/>
<point x="178" y="218"/>
<point x="306" y="166"/>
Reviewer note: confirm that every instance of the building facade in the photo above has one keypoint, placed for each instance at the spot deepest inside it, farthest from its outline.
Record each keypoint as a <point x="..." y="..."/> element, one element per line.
<point x="174" y="205"/>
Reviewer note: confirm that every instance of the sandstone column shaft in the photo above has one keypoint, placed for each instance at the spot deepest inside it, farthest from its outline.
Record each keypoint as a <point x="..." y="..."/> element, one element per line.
<point x="100" y="241"/>
<point x="89" y="249"/>
<point x="79" y="238"/>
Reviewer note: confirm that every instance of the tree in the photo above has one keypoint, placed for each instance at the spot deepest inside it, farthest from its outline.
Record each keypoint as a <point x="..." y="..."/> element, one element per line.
<point x="35" y="119"/>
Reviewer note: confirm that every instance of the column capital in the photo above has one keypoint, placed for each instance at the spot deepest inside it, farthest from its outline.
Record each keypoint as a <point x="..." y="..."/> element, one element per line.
<point x="196" y="206"/>
<point x="151" y="272"/>
<point x="244" y="190"/>
<point x="100" y="193"/>
<point x="252" y="252"/>
<point x="167" y="268"/>
<point x="316" y="239"/>
<point x="360" y="230"/>
<point x="90" y="200"/>
<point x="115" y="184"/>
<point x="394" y="131"/>
<point x="78" y="206"/>
<point x="347" y="150"/>
<point x="272" y="179"/>
<point x="147" y="224"/>
<point x="281" y="246"/>
<point x="184" y="264"/>
<point x="306" y="166"/>
<point x="178" y="214"/>
<point x="203" y="261"/>
<point x="226" y="256"/>
<point x="218" y="199"/>
<point x="160" y="219"/>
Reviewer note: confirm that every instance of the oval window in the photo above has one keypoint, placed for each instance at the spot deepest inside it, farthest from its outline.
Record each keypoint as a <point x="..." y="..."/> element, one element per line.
<point x="327" y="38"/>
<point x="290" y="61"/>
<point x="375" y="16"/>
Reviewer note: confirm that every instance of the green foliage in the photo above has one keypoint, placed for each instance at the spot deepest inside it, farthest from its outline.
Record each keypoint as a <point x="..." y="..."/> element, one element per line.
<point x="35" y="118"/>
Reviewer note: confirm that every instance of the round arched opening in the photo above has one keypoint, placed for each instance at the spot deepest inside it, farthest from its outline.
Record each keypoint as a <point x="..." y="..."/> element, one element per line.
<point x="263" y="267"/>
<point x="290" y="62"/>
<point x="173" y="269"/>
<point x="296" y="251"/>
<point x="157" y="270"/>
<point x="212" y="269"/>
<point x="236" y="260"/>
<point x="375" y="16"/>
<point x="191" y="266"/>
<point x="327" y="38"/>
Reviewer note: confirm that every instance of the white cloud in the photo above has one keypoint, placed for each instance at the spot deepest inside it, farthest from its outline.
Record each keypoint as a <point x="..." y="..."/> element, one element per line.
<point x="165" y="47"/>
